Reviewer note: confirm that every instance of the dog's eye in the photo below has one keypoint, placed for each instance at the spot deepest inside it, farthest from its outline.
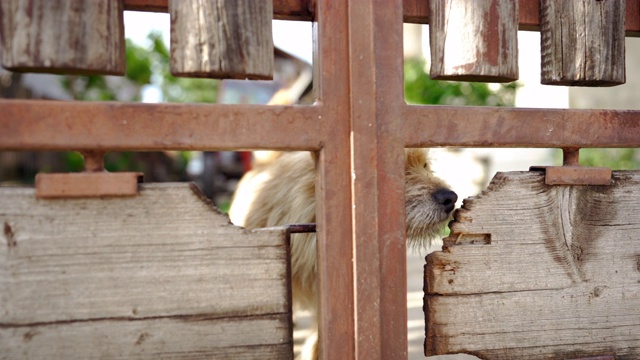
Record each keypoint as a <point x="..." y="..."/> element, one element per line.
<point x="426" y="166"/>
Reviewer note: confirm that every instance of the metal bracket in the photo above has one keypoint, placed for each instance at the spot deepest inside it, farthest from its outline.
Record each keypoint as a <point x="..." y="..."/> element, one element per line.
<point x="93" y="182"/>
<point x="571" y="173"/>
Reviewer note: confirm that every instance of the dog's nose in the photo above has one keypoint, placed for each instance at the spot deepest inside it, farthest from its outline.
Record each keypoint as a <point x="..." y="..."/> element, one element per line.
<point x="446" y="198"/>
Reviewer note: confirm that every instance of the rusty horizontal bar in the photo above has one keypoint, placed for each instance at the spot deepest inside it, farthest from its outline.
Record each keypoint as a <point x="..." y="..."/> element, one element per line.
<point x="87" y="184"/>
<point x="301" y="228"/>
<point x="113" y="126"/>
<point x="56" y="125"/>
<point x="415" y="11"/>
<point x="479" y="126"/>
<point x="282" y="9"/>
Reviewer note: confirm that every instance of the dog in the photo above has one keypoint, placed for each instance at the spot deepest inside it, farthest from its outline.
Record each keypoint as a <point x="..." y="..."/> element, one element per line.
<point x="281" y="190"/>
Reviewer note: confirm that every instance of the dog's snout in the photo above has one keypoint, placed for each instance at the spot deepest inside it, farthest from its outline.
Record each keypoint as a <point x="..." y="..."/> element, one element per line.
<point x="446" y="198"/>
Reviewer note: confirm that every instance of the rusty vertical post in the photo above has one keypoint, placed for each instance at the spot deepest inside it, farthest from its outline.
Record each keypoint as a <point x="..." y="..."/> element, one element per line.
<point x="333" y="212"/>
<point x="376" y="87"/>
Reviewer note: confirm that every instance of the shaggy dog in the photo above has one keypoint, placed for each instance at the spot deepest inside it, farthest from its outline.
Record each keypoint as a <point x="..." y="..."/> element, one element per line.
<point x="281" y="191"/>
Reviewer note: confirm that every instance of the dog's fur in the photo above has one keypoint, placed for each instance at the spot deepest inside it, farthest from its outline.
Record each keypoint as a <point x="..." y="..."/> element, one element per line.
<point x="282" y="191"/>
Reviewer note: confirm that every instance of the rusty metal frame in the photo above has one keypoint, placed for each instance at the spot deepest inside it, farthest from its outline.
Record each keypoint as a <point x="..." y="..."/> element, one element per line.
<point x="414" y="11"/>
<point x="358" y="126"/>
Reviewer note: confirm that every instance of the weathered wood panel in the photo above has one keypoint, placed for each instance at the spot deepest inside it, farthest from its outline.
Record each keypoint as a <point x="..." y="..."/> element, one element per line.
<point x="162" y="274"/>
<point x="474" y="40"/>
<point x="70" y="36"/>
<point x="225" y="39"/>
<point x="582" y="42"/>
<point x="532" y="271"/>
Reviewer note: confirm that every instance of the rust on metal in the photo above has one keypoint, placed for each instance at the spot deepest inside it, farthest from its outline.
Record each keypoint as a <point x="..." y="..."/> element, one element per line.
<point x="571" y="173"/>
<point x="93" y="160"/>
<point x="375" y="42"/>
<point x="571" y="157"/>
<point x="300" y="228"/>
<point x="480" y="126"/>
<point x="87" y="184"/>
<point x="337" y="332"/>
<point x="415" y="11"/>
<point x="120" y="126"/>
<point x="577" y="175"/>
<point x="300" y="10"/>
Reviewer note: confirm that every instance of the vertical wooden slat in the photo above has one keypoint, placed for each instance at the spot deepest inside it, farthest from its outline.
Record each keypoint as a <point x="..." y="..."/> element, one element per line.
<point x="70" y="36"/>
<point x="228" y="39"/>
<point x="582" y="42"/>
<point x="474" y="40"/>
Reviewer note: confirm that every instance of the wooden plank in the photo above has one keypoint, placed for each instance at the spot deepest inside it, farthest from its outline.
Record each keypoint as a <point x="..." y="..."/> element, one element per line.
<point x="87" y="277"/>
<point x="155" y="338"/>
<point x="582" y="42"/>
<point x="475" y="40"/>
<point x="73" y="36"/>
<point x="532" y="271"/>
<point x="223" y="39"/>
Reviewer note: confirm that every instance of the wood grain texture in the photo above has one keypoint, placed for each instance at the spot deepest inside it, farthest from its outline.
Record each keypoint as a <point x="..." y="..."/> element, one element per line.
<point x="162" y="274"/>
<point x="582" y="42"/>
<point x="474" y="40"/>
<point x="66" y="36"/>
<point x="225" y="39"/>
<point x="532" y="271"/>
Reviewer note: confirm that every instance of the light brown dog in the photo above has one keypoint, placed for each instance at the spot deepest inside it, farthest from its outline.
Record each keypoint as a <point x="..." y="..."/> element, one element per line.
<point x="282" y="191"/>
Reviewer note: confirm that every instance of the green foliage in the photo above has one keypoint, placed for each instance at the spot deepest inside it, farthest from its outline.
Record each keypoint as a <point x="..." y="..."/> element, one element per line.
<point x="145" y="66"/>
<point x="176" y="89"/>
<point x="420" y="89"/>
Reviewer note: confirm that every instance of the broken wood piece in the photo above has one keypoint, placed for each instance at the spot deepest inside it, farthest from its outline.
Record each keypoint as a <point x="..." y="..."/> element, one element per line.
<point x="63" y="36"/>
<point x="224" y="39"/>
<point x="87" y="184"/>
<point x="582" y="42"/>
<point x="157" y="276"/>
<point x="559" y="279"/>
<point x="474" y="40"/>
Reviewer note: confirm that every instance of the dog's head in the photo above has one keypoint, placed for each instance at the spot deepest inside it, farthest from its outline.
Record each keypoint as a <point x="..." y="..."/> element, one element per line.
<point x="429" y="201"/>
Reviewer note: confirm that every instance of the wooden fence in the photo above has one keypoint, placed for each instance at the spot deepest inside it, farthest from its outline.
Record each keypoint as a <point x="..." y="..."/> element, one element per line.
<point x="359" y="126"/>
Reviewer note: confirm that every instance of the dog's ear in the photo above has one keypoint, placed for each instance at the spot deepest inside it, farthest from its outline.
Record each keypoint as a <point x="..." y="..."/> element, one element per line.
<point x="416" y="159"/>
